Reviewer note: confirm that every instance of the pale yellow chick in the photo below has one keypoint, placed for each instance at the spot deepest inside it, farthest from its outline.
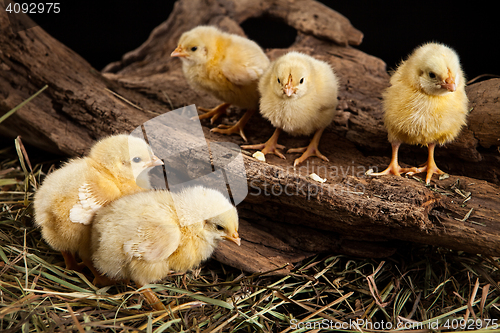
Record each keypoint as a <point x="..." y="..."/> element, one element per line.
<point x="69" y="197"/>
<point x="426" y="104"/>
<point x="146" y="235"/>
<point x="299" y="96"/>
<point x="225" y="65"/>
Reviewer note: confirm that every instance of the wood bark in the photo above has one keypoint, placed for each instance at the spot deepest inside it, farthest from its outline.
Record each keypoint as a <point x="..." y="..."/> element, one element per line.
<point x="350" y="213"/>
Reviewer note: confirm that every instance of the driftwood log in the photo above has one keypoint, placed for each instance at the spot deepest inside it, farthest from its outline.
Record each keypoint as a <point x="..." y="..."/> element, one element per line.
<point x="286" y="216"/>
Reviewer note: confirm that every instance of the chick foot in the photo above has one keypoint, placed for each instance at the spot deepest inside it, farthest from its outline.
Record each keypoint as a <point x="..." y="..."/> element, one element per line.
<point x="99" y="279"/>
<point x="236" y="128"/>
<point x="151" y="298"/>
<point x="215" y="113"/>
<point x="310" y="150"/>
<point x="270" y="147"/>
<point x="430" y="166"/>
<point x="394" y="168"/>
<point x="103" y="281"/>
<point x="70" y="261"/>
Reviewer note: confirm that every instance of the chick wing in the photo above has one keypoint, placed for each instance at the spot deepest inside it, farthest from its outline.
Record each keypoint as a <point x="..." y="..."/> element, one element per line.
<point x="244" y="64"/>
<point x="88" y="203"/>
<point x="153" y="243"/>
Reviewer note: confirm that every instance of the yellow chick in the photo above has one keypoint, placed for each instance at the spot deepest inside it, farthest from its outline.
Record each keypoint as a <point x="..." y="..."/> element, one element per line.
<point x="225" y="65"/>
<point x="146" y="235"/>
<point x="299" y="96"/>
<point x="426" y="104"/>
<point x="69" y="197"/>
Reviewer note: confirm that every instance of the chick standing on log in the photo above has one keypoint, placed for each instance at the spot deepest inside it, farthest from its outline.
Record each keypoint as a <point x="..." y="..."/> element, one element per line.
<point x="299" y="96"/>
<point x="426" y="104"/>
<point x="225" y="65"/>
<point x="146" y="235"/>
<point x="69" y="197"/>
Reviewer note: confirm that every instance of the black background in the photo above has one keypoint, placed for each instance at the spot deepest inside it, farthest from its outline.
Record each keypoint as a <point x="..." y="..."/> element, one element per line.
<point x="102" y="32"/>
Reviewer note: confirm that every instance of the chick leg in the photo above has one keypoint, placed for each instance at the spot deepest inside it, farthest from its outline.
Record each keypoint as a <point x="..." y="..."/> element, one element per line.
<point x="271" y="146"/>
<point x="394" y="168"/>
<point x="99" y="279"/>
<point x="236" y="128"/>
<point x="430" y="166"/>
<point x="311" y="150"/>
<point x="215" y="113"/>
<point x="151" y="298"/>
<point x="70" y="261"/>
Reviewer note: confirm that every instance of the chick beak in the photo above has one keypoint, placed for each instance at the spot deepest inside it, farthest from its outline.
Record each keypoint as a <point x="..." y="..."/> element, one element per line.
<point x="235" y="238"/>
<point x="179" y="52"/>
<point x="155" y="161"/>
<point x="289" y="89"/>
<point x="449" y="84"/>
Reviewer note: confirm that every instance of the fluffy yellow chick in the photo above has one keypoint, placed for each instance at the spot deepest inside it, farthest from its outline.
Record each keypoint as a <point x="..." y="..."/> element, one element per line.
<point x="426" y="104"/>
<point x="152" y="233"/>
<point x="299" y="96"/>
<point x="225" y="65"/>
<point x="69" y="197"/>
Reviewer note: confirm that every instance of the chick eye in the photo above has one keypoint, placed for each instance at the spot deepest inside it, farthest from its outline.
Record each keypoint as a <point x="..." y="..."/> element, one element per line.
<point x="432" y="75"/>
<point x="136" y="159"/>
<point x="301" y="80"/>
<point x="194" y="48"/>
<point x="279" y="80"/>
<point x="220" y="228"/>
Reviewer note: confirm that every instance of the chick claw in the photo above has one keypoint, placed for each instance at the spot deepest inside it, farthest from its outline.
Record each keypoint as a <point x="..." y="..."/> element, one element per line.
<point x="151" y="298"/>
<point x="235" y="129"/>
<point x="215" y="113"/>
<point x="431" y="169"/>
<point x="267" y="148"/>
<point x="307" y="152"/>
<point x="396" y="170"/>
<point x="430" y="166"/>
<point x="311" y="150"/>
<point x="270" y="147"/>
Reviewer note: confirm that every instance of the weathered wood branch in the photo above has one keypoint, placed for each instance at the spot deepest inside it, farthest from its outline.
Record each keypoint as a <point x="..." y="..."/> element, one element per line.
<point x="286" y="216"/>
